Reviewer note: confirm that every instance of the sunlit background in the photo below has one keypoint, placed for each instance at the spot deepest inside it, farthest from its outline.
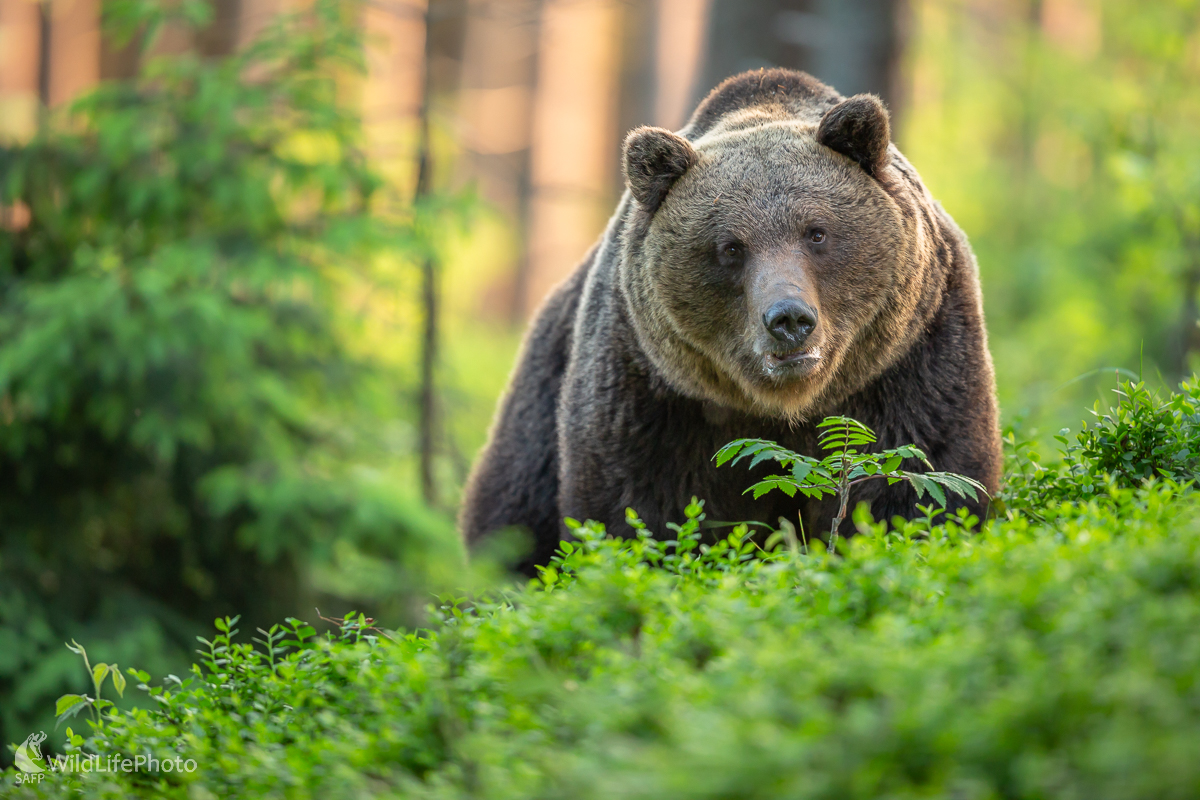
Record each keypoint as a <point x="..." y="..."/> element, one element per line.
<point x="1060" y="134"/>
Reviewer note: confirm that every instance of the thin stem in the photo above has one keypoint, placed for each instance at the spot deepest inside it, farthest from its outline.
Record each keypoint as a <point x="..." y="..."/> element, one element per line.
<point x="841" y="515"/>
<point x="866" y="478"/>
<point x="843" y="496"/>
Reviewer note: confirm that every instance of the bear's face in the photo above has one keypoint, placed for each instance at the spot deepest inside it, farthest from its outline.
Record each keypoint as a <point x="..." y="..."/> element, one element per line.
<point x="770" y="265"/>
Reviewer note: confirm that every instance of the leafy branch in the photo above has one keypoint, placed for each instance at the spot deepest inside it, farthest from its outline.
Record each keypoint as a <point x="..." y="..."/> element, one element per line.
<point x="71" y="704"/>
<point x="845" y="466"/>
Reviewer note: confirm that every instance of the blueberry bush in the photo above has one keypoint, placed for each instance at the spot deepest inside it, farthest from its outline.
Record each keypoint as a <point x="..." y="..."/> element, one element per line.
<point x="1051" y="652"/>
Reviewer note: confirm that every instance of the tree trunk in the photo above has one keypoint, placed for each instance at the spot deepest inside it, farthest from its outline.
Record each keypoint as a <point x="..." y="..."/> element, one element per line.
<point x="429" y="296"/>
<point x="853" y="45"/>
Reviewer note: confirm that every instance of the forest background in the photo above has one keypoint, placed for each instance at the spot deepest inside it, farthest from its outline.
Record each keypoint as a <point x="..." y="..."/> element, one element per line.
<point x="264" y="267"/>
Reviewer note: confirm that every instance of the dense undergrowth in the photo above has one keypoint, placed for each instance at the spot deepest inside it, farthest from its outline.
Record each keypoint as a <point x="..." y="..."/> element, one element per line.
<point x="1051" y="652"/>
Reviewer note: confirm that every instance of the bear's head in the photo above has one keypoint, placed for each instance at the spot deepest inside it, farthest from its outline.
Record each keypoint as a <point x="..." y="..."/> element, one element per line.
<point x="779" y="251"/>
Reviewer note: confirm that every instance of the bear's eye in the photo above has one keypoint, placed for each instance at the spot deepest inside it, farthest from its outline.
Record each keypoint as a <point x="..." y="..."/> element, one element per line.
<point x="816" y="236"/>
<point x="732" y="251"/>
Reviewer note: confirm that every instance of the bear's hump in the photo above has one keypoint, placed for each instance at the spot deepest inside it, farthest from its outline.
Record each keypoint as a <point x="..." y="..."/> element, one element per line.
<point x="775" y="93"/>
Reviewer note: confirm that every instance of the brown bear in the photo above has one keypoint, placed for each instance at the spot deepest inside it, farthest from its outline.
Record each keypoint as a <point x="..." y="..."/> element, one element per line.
<point x="775" y="262"/>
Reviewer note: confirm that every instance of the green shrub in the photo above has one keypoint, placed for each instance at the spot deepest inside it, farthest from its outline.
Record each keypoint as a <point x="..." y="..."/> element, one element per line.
<point x="1022" y="661"/>
<point x="1144" y="436"/>
<point x="1054" y="652"/>
<point x="851" y="460"/>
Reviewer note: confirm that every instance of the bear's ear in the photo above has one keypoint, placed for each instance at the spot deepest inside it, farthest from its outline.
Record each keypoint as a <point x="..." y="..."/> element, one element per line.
<point x="654" y="159"/>
<point x="858" y="128"/>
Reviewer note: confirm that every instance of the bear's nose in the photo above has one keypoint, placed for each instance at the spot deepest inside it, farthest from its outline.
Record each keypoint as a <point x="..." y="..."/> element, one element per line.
<point x="790" y="321"/>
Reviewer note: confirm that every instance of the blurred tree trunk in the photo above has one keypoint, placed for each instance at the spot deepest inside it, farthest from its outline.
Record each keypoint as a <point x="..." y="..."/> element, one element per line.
<point x="1027" y="131"/>
<point x="429" y="297"/>
<point x="636" y="78"/>
<point x="499" y="67"/>
<point x="21" y="26"/>
<point x="74" y="49"/>
<point x="574" y="136"/>
<point x="853" y="45"/>
<point x="679" y="42"/>
<point x="441" y="28"/>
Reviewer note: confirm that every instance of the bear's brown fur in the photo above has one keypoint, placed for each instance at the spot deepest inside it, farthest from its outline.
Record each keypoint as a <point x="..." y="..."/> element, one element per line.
<point x="775" y="262"/>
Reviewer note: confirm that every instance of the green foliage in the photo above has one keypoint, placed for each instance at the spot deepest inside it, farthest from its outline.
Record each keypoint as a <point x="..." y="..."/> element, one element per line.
<point x="844" y="468"/>
<point x="925" y="662"/>
<point x="185" y="407"/>
<point x="1052" y="653"/>
<point x="1144" y="436"/>
<point x="1061" y="137"/>
<point x="71" y="704"/>
<point x="190" y="423"/>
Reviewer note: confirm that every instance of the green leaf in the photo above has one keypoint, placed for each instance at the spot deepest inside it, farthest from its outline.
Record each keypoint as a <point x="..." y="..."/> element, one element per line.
<point x="99" y="673"/>
<point x="729" y="451"/>
<point x="918" y="482"/>
<point x="802" y="469"/>
<point x="69" y="701"/>
<point x="764" y="455"/>
<point x="785" y="485"/>
<point x="959" y="484"/>
<point x="69" y="705"/>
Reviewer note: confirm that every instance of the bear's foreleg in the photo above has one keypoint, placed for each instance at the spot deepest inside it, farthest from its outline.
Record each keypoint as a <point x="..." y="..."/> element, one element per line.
<point x="515" y="481"/>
